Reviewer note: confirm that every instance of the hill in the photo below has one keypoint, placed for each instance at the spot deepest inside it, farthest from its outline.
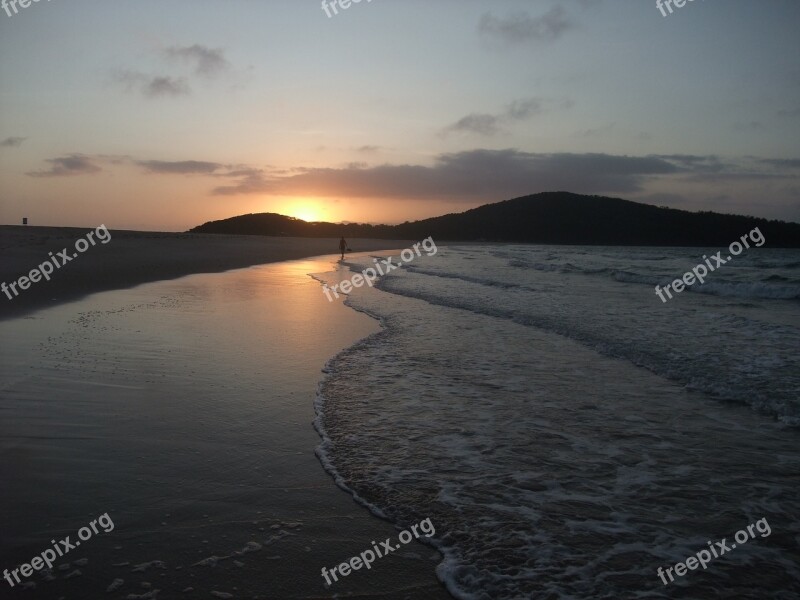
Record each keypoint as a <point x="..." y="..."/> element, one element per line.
<point x="546" y="218"/>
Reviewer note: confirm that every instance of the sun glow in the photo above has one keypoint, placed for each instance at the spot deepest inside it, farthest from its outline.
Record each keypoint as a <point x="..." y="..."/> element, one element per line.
<point x="304" y="210"/>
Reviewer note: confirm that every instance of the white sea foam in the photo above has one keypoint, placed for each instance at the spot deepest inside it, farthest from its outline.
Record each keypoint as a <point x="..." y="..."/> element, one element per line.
<point x="495" y="402"/>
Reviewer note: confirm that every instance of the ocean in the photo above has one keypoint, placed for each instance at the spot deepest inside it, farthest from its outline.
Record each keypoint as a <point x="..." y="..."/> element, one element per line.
<point x="566" y="431"/>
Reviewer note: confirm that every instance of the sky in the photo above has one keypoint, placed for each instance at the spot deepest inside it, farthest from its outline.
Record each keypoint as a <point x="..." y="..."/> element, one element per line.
<point x="156" y="115"/>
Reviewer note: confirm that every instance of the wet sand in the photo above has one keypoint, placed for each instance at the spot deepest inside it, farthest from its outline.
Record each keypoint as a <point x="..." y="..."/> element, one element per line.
<point x="183" y="409"/>
<point x="134" y="257"/>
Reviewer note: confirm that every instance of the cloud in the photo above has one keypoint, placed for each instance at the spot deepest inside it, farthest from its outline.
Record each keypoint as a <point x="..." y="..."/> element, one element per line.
<point x="491" y="124"/>
<point x="789" y="113"/>
<point x="523" y="109"/>
<point x="712" y="169"/>
<point x="12" y="142"/>
<point x="184" y="167"/>
<point x="480" y="174"/>
<point x="152" y="86"/>
<point x="207" y="62"/>
<point x="697" y="164"/>
<point x="74" y="164"/>
<point x="251" y="181"/>
<point x="368" y="149"/>
<point x="199" y="62"/>
<point x="483" y="124"/>
<point x="166" y="86"/>
<point x="521" y="27"/>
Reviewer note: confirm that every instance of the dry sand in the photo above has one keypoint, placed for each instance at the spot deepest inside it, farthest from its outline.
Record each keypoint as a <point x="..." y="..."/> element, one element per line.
<point x="134" y="257"/>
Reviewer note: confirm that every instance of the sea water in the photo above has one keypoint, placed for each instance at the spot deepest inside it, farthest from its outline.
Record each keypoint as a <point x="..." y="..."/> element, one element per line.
<point x="566" y="431"/>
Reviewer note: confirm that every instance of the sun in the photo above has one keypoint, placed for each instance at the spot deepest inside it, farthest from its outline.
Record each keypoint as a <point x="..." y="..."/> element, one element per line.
<point x="306" y="211"/>
<point x="307" y="214"/>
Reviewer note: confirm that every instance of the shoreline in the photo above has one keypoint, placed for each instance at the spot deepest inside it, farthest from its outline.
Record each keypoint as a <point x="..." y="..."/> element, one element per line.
<point x="132" y="258"/>
<point x="181" y="382"/>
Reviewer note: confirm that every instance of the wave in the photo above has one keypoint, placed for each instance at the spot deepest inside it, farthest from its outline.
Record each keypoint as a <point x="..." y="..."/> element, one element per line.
<point x="766" y="264"/>
<point x="767" y="289"/>
<point x="555" y="268"/>
<point x="756" y="289"/>
<point x="451" y="564"/>
<point x="500" y="467"/>
<point x="676" y="367"/>
<point x="522" y="264"/>
<point x="630" y="277"/>
<point x="467" y="278"/>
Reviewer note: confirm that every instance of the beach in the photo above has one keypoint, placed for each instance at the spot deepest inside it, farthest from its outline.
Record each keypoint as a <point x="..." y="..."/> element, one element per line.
<point x="133" y="257"/>
<point x="183" y="411"/>
<point x="563" y="431"/>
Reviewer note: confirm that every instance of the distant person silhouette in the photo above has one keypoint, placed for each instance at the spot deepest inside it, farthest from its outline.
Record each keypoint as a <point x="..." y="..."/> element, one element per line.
<point x="342" y="247"/>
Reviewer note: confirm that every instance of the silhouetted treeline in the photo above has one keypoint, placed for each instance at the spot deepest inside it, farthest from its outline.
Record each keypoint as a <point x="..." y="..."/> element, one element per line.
<point x="547" y="218"/>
